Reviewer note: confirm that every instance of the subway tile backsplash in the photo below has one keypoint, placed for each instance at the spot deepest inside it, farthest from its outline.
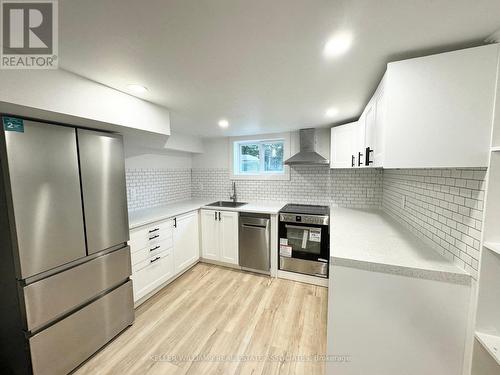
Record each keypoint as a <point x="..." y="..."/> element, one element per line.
<point x="308" y="185"/>
<point x="155" y="187"/>
<point x="442" y="206"/>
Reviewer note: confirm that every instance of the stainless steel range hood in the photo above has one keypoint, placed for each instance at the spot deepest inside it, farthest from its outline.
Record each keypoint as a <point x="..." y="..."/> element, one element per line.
<point x="307" y="154"/>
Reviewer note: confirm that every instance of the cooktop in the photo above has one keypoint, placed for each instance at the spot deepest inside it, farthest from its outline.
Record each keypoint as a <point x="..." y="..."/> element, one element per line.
<point x="307" y="209"/>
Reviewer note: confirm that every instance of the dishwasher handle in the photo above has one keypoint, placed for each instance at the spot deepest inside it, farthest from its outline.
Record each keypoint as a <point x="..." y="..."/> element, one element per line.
<point x="254" y="221"/>
<point x="254" y="226"/>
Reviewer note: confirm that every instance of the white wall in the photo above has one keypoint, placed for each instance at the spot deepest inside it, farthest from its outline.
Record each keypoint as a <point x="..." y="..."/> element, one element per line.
<point x="58" y="95"/>
<point x="215" y="155"/>
<point x="140" y="159"/>
<point x="216" y="150"/>
<point x="184" y="142"/>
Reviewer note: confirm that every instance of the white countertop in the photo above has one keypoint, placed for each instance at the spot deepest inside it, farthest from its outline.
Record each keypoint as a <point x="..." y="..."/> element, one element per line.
<point x="150" y="215"/>
<point x="368" y="236"/>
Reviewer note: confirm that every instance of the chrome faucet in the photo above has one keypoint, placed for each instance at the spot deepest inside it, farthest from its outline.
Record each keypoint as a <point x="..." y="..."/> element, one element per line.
<point x="233" y="196"/>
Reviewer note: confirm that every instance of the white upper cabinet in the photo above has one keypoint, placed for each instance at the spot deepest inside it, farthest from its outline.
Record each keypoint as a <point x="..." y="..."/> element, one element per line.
<point x="439" y="109"/>
<point x="343" y="150"/>
<point x="429" y="112"/>
<point x="374" y="136"/>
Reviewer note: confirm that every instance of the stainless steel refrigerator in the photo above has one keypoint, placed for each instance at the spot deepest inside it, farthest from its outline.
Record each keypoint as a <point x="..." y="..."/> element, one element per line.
<point x="64" y="261"/>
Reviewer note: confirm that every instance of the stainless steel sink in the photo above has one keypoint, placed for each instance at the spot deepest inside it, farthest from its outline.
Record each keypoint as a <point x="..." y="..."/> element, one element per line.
<point x="226" y="204"/>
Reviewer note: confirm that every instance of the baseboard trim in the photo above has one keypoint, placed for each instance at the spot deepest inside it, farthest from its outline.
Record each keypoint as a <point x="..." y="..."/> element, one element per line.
<point x="163" y="285"/>
<point x="218" y="263"/>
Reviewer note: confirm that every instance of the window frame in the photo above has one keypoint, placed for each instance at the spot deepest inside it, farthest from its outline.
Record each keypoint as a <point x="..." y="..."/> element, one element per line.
<point x="235" y="159"/>
<point x="262" y="161"/>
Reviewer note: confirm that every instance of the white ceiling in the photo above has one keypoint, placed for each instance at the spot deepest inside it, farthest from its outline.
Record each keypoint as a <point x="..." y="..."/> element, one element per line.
<point x="258" y="63"/>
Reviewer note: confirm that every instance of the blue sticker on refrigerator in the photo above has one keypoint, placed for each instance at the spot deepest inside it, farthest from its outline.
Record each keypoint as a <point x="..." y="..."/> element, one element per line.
<point x="13" y="124"/>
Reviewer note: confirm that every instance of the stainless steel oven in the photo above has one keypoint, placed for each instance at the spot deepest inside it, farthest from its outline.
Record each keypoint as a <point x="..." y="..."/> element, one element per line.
<point x="304" y="239"/>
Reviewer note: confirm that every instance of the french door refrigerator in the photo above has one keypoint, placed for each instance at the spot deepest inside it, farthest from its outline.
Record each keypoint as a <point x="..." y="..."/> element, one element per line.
<point x="64" y="261"/>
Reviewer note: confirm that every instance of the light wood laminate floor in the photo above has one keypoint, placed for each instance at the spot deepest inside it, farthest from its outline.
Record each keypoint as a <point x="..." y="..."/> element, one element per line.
<point x="235" y="322"/>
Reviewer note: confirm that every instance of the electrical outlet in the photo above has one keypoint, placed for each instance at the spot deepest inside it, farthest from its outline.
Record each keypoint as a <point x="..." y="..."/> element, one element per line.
<point x="403" y="202"/>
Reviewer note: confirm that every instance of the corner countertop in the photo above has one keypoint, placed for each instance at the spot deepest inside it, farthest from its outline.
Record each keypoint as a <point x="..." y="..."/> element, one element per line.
<point x="150" y="215"/>
<point x="371" y="239"/>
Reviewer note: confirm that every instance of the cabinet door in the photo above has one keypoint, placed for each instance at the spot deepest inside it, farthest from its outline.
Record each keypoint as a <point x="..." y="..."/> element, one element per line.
<point x="360" y="144"/>
<point x="370" y="132"/>
<point x="209" y="234"/>
<point x="229" y="237"/>
<point x="440" y="109"/>
<point x="344" y="146"/>
<point x="378" y="154"/>
<point x="186" y="243"/>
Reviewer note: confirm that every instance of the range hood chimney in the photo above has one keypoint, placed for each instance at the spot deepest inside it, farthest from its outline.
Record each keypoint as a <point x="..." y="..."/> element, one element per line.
<point x="307" y="154"/>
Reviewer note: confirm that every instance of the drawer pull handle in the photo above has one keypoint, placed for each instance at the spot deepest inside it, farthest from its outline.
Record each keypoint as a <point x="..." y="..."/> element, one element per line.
<point x="152" y="238"/>
<point x="154" y="230"/>
<point x="155" y="248"/>
<point x="154" y="260"/>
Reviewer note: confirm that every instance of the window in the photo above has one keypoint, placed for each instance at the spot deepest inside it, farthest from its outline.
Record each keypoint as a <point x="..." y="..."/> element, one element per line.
<point x="259" y="157"/>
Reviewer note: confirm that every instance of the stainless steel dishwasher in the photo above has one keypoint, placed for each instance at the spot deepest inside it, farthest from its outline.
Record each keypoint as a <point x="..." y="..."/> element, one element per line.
<point x="254" y="238"/>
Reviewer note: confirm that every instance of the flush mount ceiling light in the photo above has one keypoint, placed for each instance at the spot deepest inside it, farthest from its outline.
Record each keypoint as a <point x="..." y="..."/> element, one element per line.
<point x="137" y="89"/>
<point x="331" y="112"/>
<point x="223" y="123"/>
<point x="337" y="45"/>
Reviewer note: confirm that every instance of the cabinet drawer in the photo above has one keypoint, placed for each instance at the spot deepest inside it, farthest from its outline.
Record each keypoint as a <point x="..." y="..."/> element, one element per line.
<point x="150" y="252"/>
<point x="153" y="275"/>
<point x="141" y="238"/>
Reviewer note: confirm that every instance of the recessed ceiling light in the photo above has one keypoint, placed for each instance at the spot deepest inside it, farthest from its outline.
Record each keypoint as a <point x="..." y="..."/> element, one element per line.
<point x="337" y="45"/>
<point x="223" y="123"/>
<point x="331" y="112"/>
<point x="138" y="89"/>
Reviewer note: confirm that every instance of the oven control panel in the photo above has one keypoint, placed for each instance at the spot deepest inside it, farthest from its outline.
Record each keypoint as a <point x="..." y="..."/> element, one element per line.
<point x="304" y="219"/>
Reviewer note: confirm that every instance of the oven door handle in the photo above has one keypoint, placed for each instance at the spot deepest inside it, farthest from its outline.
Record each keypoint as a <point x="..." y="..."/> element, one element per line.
<point x="301" y="227"/>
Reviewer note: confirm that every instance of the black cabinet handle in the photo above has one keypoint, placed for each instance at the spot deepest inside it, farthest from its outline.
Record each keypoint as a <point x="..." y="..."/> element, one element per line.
<point x="152" y="238"/>
<point x="154" y="230"/>
<point x="215" y="215"/>
<point x="367" y="156"/>
<point x="359" y="159"/>
<point x="155" y="248"/>
<point x="219" y="216"/>
<point x="175" y="222"/>
<point x="154" y="260"/>
<point x="353" y="158"/>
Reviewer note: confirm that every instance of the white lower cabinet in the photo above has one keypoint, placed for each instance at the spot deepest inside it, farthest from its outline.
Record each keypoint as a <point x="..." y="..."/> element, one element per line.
<point x="186" y="241"/>
<point x="219" y="236"/>
<point x="157" y="270"/>
<point x="163" y="250"/>
<point x="209" y="234"/>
